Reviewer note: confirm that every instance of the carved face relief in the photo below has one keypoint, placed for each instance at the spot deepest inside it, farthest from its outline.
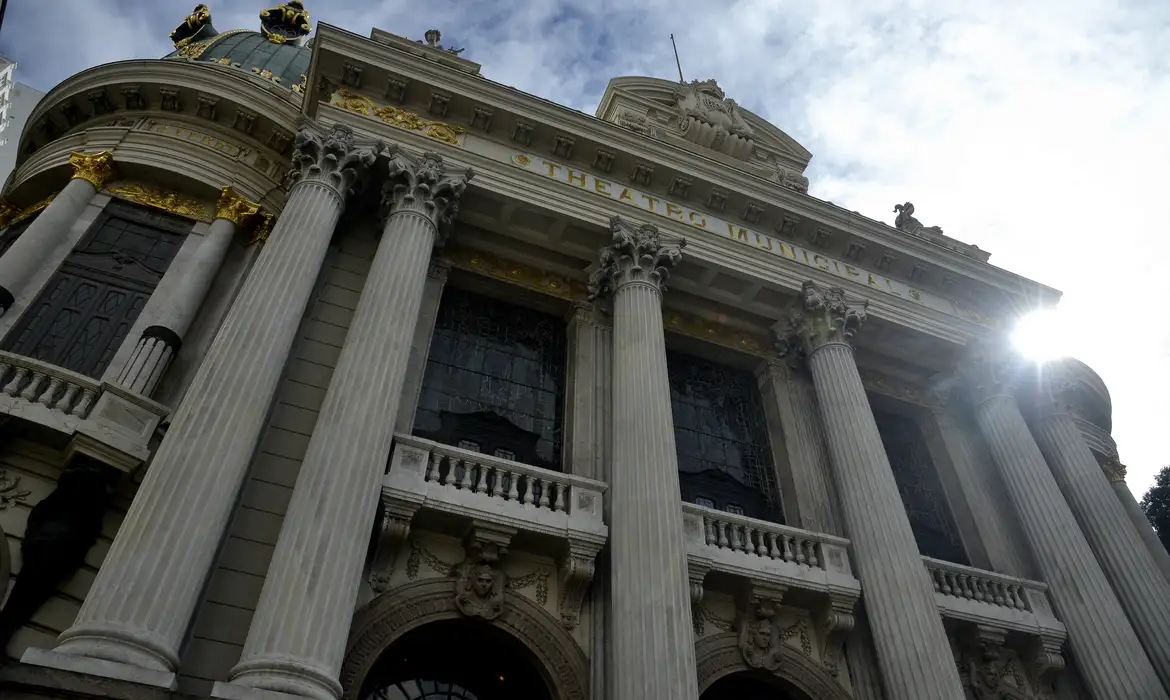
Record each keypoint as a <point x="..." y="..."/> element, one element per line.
<point x="758" y="641"/>
<point x="484" y="581"/>
<point x="480" y="589"/>
<point x="763" y="634"/>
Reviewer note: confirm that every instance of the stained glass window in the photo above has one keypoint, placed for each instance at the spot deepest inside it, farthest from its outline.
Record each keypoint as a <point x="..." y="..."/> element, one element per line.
<point x="495" y="377"/>
<point x="87" y="308"/>
<point x="920" y="489"/>
<point x="721" y="439"/>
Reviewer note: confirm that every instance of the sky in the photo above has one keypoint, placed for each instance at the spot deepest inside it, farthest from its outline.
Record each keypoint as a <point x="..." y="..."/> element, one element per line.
<point x="1035" y="129"/>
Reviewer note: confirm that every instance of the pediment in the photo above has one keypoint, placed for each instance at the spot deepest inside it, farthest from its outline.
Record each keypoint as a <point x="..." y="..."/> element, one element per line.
<point x="699" y="115"/>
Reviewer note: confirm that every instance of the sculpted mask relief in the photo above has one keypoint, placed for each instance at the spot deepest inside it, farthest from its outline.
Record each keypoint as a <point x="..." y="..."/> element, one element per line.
<point x="479" y="591"/>
<point x="759" y="640"/>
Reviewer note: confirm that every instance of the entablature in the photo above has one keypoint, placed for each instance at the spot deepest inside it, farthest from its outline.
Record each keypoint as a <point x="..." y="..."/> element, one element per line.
<point x="569" y="138"/>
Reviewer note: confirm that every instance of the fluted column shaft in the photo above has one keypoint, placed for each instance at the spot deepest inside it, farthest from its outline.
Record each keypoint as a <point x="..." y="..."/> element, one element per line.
<point x="912" y="647"/>
<point x="138" y="608"/>
<point x="297" y="639"/>
<point x="1107" y="651"/>
<point x="157" y="346"/>
<point x="30" y="253"/>
<point x="1140" y="587"/>
<point x="1142" y="524"/>
<point x="651" y="635"/>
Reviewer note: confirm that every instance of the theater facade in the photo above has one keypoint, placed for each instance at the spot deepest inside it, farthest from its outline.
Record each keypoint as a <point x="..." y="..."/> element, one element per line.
<point x="331" y="368"/>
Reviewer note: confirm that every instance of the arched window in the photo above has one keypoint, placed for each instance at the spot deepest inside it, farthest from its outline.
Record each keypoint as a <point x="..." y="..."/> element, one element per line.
<point x="919" y="486"/>
<point x="721" y="438"/>
<point x="494" y="380"/>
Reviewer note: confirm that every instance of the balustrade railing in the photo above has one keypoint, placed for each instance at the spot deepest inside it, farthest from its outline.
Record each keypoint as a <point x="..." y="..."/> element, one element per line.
<point x="763" y="539"/>
<point x="498" y="478"/>
<point x="57" y="389"/>
<point x="981" y="586"/>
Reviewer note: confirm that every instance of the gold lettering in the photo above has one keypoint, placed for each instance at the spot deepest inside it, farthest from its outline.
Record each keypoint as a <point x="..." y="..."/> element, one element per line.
<point x="852" y="271"/>
<point x="599" y="186"/>
<point x="891" y="287"/>
<point x="836" y="266"/>
<point x="763" y="242"/>
<point x="160" y="128"/>
<point x="224" y="146"/>
<point x="672" y="209"/>
<point x="805" y="254"/>
<point x="650" y="200"/>
<point x="701" y="223"/>
<point x="736" y="232"/>
<point x="207" y="140"/>
<point x="627" y="196"/>
<point x="820" y="262"/>
<point x="873" y="281"/>
<point x="552" y="168"/>
<point x="787" y="251"/>
<point x="573" y="175"/>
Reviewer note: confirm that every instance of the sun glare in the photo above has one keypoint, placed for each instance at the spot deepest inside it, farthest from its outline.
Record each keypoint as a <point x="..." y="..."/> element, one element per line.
<point x="1043" y="335"/>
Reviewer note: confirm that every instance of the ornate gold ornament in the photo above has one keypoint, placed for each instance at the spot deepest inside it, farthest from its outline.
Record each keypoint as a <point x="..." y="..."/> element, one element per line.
<point x="263" y="228"/>
<point x="299" y="88"/>
<point x="286" y="22"/>
<point x="7" y="212"/>
<point x="94" y="168"/>
<point x="235" y="208"/>
<point x="715" y="333"/>
<point x="513" y="272"/>
<point x="19" y="215"/>
<point x="396" y="116"/>
<point x="192" y="25"/>
<point x="1115" y="470"/>
<point x="171" y="202"/>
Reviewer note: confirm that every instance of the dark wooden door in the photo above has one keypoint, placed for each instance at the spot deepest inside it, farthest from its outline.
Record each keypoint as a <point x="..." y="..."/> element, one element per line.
<point x="87" y="308"/>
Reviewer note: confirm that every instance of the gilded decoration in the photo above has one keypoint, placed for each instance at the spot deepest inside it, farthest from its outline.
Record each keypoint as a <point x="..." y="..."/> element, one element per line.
<point x="286" y="22"/>
<point x="1115" y="470"/>
<point x="171" y="202"/>
<point x="263" y="229"/>
<point x="192" y="25"/>
<point x="94" y="168"/>
<point x="234" y="208"/>
<point x="11" y="215"/>
<point x="711" y="332"/>
<point x="513" y="272"/>
<point x="396" y="116"/>
<point x="7" y="212"/>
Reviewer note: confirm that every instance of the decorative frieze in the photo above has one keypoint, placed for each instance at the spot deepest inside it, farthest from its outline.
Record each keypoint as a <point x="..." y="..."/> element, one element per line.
<point x="397" y="117"/>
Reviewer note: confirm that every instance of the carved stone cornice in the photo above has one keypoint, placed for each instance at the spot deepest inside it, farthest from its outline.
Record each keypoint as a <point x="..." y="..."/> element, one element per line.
<point x="334" y="159"/>
<point x="510" y="271"/>
<point x="636" y="255"/>
<point x="94" y="168"/>
<point x="704" y="329"/>
<point x="425" y="186"/>
<point x="823" y="315"/>
<point x="233" y="207"/>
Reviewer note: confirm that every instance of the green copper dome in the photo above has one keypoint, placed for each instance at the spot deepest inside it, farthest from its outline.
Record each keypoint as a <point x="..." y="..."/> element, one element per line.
<point x="283" y="63"/>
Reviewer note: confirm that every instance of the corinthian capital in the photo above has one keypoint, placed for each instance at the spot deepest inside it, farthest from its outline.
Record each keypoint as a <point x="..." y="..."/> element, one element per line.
<point x="233" y="207"/>
<point x="423" y="184"/>
<point x="94" y="168"/>
<point x="823" y="315"/>
<point x="332" y="157"/>
<point x="637" y="254"/>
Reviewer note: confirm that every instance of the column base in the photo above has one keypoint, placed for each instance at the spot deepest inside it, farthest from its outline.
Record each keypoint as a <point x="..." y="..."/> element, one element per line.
<point x="230" y="691"/>
<point x="99" y="667"/>
<point x="287" y="677"/>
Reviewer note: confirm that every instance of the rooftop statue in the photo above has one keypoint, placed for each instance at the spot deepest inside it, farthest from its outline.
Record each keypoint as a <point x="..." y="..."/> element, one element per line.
<point x="906" y="221"/>
<point x="287" y="22"/>
<point x="710" y="119"/>
<point x="433" y="36"/>
<point x="196" y="25"/>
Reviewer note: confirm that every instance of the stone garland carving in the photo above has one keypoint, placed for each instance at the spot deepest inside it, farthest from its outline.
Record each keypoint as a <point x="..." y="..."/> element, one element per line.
<point x="906" y="222"/>
<point x="704" y="616"/>
<point x="10" y="491"/>
<point x="419" y="555"/>
<point x="425" y="185"/>
<point x="637" y="254"/>
<point x="94" y="168"/>
<point x="396" y="116"/>
<point x="334" y="159"/>
<point x="823" y="315"/>
<point x="538" y="578"/>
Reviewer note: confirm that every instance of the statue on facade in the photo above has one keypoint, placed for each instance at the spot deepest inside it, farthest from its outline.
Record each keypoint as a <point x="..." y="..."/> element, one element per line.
<point x="791" y="179"/>
<point x="479" y="589"/>
<point x="984" y="678"/>
<point x="759" y="640"/>
<point x="712" y="120"/>
<point x="906" y="221"/>
<point x="195" y="25"/>
<point x="433" y="36"/>
<point x="287" y="22"/>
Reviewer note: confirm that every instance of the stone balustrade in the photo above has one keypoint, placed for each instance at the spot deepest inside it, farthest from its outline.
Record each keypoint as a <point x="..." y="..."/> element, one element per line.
<point x="988" y="598"/>
<point x="763" y="551"/>
<point x="79" y="409"/>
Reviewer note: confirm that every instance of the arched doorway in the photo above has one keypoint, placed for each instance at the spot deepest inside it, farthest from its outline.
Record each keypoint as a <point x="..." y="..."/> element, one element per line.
<point x="748" y="685"/>
<point x="455" y="660"/>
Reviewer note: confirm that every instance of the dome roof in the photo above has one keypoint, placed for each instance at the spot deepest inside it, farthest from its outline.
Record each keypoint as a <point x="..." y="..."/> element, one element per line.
<point x="283" y="63"/>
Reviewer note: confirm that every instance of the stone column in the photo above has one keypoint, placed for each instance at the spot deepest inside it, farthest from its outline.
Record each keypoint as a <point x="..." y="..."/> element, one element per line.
<point x="161" y="341"/>
<point x="416" y="366"/>
<point x="31" y="251"/>
<point x="297" y="639"/>
<point x="1115" y="472"/>
<point x="589" y="380"/>
<point x="1107" y="651"/>
<point x="912" y="647"/>
<point x="138" y="609"/>
<point x="1140" y="587"/>
<point x="652" y="640"/>
<point x="798" y="442"/>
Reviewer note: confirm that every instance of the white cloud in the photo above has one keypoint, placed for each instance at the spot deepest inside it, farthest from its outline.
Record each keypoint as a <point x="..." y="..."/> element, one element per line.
<point x="1036" y="130"/>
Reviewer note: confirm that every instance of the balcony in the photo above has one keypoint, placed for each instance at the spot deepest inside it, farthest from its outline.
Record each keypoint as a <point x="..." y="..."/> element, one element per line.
<point x="449" y="489"/>
<point x="78" y="412"/>
<point x="966" y="594"/>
